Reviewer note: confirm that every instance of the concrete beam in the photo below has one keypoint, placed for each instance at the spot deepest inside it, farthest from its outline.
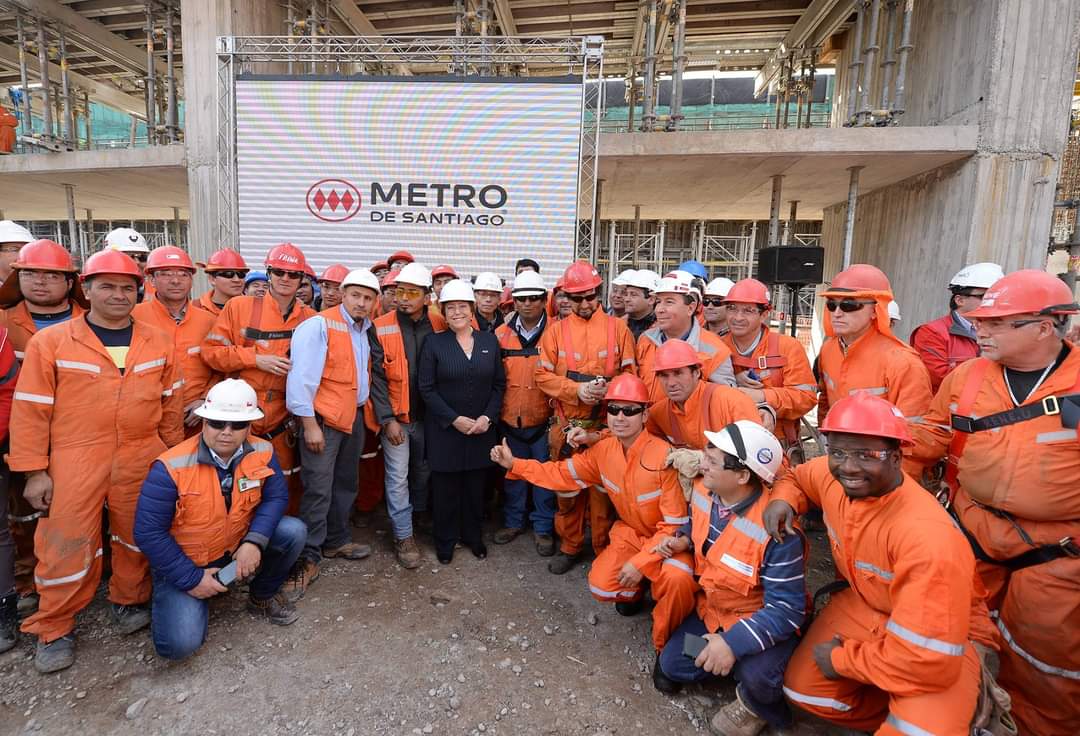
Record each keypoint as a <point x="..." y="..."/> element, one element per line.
<point x="100" y="91"/>
<point x="91" y="34"/>
<point x="505" y="16"/>
<point x="97" y="161"/>
<point x="359" y="24"/>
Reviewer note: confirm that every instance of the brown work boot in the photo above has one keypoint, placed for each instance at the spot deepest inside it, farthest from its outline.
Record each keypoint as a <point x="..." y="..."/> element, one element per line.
<point x="408" y="554"/>
<point x="736" y="719"/>
<point x="506" y="535"/>
<point x="562" y="563"/>
<point x="304" y="572"/>
<point x="277" y="610"/>
<point x="348" y="551"/>
<point x="545" y="544"/>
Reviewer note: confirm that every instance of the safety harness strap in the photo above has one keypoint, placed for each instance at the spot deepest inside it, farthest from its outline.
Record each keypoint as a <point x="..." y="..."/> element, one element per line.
<point x="1066" y="547"/>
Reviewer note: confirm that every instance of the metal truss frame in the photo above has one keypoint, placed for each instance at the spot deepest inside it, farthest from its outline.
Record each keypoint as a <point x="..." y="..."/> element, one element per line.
<point x="461" y="55"/>
<point x="732" y="256"/>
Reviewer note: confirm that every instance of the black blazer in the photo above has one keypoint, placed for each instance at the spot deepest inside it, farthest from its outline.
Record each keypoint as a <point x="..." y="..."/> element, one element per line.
<point x="454" y="386"/>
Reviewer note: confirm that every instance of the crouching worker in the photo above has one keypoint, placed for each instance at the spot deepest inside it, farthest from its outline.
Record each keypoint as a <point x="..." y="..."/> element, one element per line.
<point x="753" y="594"/>
<point x="629" y="466"/>
<point x="215" y="499"/>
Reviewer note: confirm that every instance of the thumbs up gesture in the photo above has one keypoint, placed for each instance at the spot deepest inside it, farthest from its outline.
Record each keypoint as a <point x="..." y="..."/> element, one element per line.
<point x="501" y="455"/>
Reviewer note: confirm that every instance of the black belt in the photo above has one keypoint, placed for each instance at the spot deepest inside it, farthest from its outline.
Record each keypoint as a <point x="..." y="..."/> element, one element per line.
<point x="1048" y="407"/>
<point x="582" y="377"/>
<point x="280" y="429"/>
<point x="523" y="353"/>
<point x="1036" y="556"/>
<point x="252" y="334"/>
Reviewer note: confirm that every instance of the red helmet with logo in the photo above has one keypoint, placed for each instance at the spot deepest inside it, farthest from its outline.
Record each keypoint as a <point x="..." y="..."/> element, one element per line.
<point x="287" y="257"/>
<point x="44" y="255"/>
<point x="401" y="255"/>
<point x="627" y="387"/>
<point x="675" y="354"/>
<point x="858" y="277"/>
<point x="335" y="273"/>
<point x="168" y="256"/>
<point x="866" y="414"/>
<point x="579" y="277"/>
<point x="443" y="271"/>
<point x="1021" y="292"/>
<point x="111" y="263"/>
<point x="749" y="291"/>
<point x="380" y="266"/>
<point x="224" y="260"/>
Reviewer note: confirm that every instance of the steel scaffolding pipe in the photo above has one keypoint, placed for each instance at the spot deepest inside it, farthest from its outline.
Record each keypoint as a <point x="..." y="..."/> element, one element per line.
<point x="789" y="231"/>
<point x="70" y="132"/>
<point x="648" y="112"/>
<point x="73" y="224"/>
<point x="149" y="85"/>
<point x="888" y="59"/>
<point x="903" y="50"/>
<point x="678" y="58"/>
<point x="172" y="113"/>
<point x="89" y="120"/>
<point x="774" y="210"/>
<point x="46" y="89"/>
<point x="869" y="53"/>
<point x="855" y="65"/>
<point x="849" y="217"/>
<point x="27" y="115"/>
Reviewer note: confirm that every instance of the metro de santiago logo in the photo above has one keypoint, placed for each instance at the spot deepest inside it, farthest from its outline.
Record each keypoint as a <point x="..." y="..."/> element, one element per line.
<point x="333" y="200"/>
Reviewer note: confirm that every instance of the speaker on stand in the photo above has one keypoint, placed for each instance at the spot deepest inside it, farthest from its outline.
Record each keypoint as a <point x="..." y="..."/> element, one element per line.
<point x="793" y="266"/>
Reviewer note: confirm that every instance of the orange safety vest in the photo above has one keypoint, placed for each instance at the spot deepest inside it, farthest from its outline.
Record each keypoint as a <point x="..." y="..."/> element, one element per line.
<point x="202" y="526"/>
<point x="396" y="362"/>
<point x="524" y="404"/>
<point x="335" y="398"/>
<point x="711" y="349"/>
<point x="21" y="327"/>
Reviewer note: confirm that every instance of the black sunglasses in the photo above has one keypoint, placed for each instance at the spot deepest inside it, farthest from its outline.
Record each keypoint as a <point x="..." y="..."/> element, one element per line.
<point x="221" y="424"/>
<point x="140" y="257"/>
<point x="630" y="411"/>
<point x="846" y="305"/>
<point x="579" y="298"/>
<point x="528" y="298"/>
<point x="716" y="302"/>
<point x="281" y="274"/>
<point x="229" y="274"/>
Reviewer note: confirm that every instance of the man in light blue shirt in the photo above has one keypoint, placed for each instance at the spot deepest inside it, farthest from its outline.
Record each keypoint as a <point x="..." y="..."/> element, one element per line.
<point x="337" y="368"/>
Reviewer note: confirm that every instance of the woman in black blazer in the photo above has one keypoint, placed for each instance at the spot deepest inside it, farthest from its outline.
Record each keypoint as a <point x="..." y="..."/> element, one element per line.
<point x="462" y="382"/>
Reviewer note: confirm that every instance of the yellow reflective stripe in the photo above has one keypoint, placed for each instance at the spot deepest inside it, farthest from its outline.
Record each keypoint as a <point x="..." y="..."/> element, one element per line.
<point x="814" y="700"/>
<point x="77" y="365"/>
<point x="1038" y="664"/>
<point x="680" y="565"/>
<point x="926" y="642"/>
<point x="49" y="582"/>
<point x="36" y="398"/>
<point x="148" y="365"/>
<point x="336" y="325"/>
<point x="388" y="330"/>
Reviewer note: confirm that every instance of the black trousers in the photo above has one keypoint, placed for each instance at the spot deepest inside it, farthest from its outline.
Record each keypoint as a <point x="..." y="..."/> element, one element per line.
<point x="457" y="508"/>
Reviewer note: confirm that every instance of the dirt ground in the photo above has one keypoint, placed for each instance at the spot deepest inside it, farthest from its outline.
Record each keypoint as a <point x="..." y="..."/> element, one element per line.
<point x="498" y="646"/>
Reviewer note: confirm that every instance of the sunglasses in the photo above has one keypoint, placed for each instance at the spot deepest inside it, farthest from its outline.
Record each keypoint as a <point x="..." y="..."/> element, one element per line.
<point x="220" y="424"/>
<point x="229" y="274"/>
<point x="846" y="305"/>
<point x="409" y="293"/>
<point x="140" y="257"/>
<point x="630" y="411"/>
<point x="712" y="302"/>
<point x="579" y="298"/>
<point x="282" y="274"/>
<point x="528" y="298"/>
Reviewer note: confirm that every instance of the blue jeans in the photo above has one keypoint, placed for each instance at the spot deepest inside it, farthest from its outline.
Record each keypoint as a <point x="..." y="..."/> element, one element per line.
<point x="179" y="621"/>
<point x="517" y="491"/>
<point x="406" y="479"/>
<point x="760" y="677"/>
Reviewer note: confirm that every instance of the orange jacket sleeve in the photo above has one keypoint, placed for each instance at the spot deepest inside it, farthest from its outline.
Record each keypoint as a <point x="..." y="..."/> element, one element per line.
<point x="32" y="409"/>
<point x="171" y="427"/>
<point x="933" y="349"/>
<point x="673" y="507"/>
<point x="800" y="486"/>
<point x="572" y="474"/>
<point x="799" y="393"/>
<point x="627" y="349"/>
<point x="909" y="384"/>
<point x="933" y="433"/>
<point x="223" y="348"/>
<point x="558" y="387"/>
<point x="734" y="404"/>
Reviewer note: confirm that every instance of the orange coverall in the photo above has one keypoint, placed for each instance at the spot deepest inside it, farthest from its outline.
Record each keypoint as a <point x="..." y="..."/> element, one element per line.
<point x="715" y="357"/>
<point x="249" y="326"/>
<point x="906" y="665"/>
<point x="8" y="124"/>
<point x="96" y="432"/>
<point x="599" y="344"/>
<point x="685" y="426"/>
<point x="206" y="303"/>
<point x="1017" y="487"/>
<point x="650" y="505"/>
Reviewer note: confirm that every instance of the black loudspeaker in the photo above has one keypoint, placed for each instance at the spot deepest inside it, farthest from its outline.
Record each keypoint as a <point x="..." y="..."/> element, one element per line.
<point x="791" y="264"/>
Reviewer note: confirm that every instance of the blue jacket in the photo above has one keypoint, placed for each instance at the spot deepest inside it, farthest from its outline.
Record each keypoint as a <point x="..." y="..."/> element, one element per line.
<point x="157" y="508"/>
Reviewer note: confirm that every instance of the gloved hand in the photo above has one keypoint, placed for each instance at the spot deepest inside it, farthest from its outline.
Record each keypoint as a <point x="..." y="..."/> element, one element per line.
<point x="688" y="464"/>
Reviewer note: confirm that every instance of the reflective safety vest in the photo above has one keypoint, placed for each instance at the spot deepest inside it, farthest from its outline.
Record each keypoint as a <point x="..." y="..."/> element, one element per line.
<point x="524" y="404"/>
<point x="335" y="398"/>
<point x="202" y="526"/>
<point x="396" y="362"/>
<point x="714" y="355"/>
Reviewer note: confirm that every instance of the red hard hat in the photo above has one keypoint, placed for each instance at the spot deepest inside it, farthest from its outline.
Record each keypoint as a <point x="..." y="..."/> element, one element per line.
<point x="224" y="260"/>
<point x="168" y="256"/>
<point x="1022" y="292"/>
<point x="111" y="262"/>
<point x="380" y="266"/>
<point x="308" y="270"/>
<point x="443" y="271"/>
<point x="857" y="277"/>
<point x="287" y="257"/>
<point x="44" y="255"/>
<point x="389" y="279"/>
<point x="866" y="414"/>
<point x="401" y="255"/>
<point x="627" y="387"/>
<point x="560" y="284"/>
<point x="335" y="273"/>
<point x="507" y="297"/>
<point x="749" y="291"/>
<point x="580" y="276"/>
<point x="675" y="354"/>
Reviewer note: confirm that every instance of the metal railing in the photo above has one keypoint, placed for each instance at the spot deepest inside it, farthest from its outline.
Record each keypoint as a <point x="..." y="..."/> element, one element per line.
<point x="741" y="121"/>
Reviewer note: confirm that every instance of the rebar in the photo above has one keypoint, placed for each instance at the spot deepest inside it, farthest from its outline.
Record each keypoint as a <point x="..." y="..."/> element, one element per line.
<point x="888" y="60"/>
<point x="855" y="66"/>
<point x="678" y="58"/>
<point x="65" y="86"/>
<point x="903" y="50"/>
<point x="149" y="86"/>
<point x="648" y="112"/>
<point x="43" y="71"/>
<point x="28" y="118"/>
<point x="869" y="54"/>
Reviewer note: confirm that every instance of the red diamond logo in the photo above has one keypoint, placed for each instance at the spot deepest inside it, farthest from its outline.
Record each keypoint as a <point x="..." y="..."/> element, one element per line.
<point x="338" y="202"/>
<point x="347" y="200"/>
<point x="333" y="200"/>
<point x="319" y="200"/>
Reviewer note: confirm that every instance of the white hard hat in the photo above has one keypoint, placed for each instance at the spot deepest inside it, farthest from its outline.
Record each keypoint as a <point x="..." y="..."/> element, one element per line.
<point x="644" y="279"/>
<point x="894" y="311"/>
<point x="126" y="240"/>
<point x="232" y="400"/>
<point x="487" y="281"/>
<point x="755" y="447"/>
<point x="13" y="232"/>
<point x="528" y="283"/>
<point x="414" y="274"/>
<point x="624" y="278"/>
<point x="361" y="277"/>
<point x="977" y="276"/>
<point x="456" y="290"/>
<point x="676" y="282"/>
<point x="719" y="287"/>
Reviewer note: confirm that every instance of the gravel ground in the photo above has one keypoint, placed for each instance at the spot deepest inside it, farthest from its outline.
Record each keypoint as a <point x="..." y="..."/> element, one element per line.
<point x="498" y="646"/>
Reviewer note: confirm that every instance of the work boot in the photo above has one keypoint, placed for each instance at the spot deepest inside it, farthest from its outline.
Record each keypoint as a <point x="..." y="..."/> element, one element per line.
<point x="506" y="535"/>
<point x="736" y="719"/>
<point x="562" y="563"/>
<point x="28" y="604"/>
<point x="408" y="554"/>
<point x="278" y="610"/>
<point x="348" y="551"/>
<point x="304" y="572"/>
<point x="9" y="621"/>
<point x="56" y="655"/>
<point x="129" y="619"/>
<point x="662" y="682"/>
<point x="629" y="608"/>
<point x="545" y="544"/>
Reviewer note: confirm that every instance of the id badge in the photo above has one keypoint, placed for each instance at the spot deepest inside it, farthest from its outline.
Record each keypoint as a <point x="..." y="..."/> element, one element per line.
<point x="246" y="484"/>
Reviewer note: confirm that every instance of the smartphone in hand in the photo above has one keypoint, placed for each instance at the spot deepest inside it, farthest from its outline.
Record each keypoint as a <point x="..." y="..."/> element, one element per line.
<point x="226" y="575"/>
<point x="693" y="645"/>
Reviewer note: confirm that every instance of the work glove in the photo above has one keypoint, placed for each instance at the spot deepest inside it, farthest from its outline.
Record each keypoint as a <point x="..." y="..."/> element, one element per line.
<point x="688" y="464"/>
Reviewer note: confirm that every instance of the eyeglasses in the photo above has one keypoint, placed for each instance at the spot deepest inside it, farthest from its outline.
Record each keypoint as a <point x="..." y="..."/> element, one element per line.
<point x="228" y="274"/>
<point x="11" y="248"/>
<point x="861" y="457"/>
<point x="579" y="298"/>
<point x="220" y="424"/>
<point x="49" y="277"/>
<point x="630" y="411"/>
<point x="528" y="298"/>
<point x="409" y="292"/>
<point x="846" y="305"/>
<point x="282" y="274"/>
<point x="140" y="257"/>
<point x="715" y="302"/>
<point x="996" y="325"/>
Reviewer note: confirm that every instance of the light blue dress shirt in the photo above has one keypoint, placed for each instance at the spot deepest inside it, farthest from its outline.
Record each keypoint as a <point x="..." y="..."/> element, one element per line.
<point x="308" y="354"/>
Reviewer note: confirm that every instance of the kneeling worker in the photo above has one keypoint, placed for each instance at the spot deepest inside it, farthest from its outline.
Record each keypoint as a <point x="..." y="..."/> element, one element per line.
<point x="752" y="600"/>
<point x="213" y="504"/>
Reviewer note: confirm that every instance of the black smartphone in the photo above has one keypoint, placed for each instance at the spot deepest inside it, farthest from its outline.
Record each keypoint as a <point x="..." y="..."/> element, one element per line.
<point x="692" y="645"/>
<point x="226" y="575"/>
